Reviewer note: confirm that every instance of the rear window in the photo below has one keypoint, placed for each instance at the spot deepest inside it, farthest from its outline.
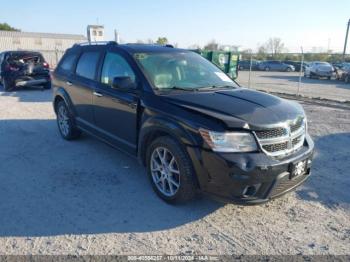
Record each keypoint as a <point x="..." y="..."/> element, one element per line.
<point x="25" y="58"/>
<point x="68" y="62"/>
<point x="87" y="65"/>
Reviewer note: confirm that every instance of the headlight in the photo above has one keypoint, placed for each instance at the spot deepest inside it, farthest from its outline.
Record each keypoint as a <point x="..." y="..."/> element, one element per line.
<point x="229" y="141"/>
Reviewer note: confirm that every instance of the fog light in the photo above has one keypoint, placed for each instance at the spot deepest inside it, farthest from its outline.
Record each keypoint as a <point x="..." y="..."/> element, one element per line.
<point x="249" y="191"/>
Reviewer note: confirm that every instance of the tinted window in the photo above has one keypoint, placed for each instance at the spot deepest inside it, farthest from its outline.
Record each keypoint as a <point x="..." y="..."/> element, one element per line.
<point x="114" y="66"/>
<point x="68" y="62"/>
<point x="87" y="65"/>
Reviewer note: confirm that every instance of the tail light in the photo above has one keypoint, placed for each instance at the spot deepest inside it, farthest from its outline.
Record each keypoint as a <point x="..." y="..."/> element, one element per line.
<point x="46" y="65"/>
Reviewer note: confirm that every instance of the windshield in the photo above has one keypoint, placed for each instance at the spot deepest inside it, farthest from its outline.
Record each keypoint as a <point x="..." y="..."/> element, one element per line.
<point x="182" y="70"/>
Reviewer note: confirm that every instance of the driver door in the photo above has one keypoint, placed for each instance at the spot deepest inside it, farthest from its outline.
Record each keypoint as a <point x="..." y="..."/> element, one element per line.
<point x="115" y="111"/>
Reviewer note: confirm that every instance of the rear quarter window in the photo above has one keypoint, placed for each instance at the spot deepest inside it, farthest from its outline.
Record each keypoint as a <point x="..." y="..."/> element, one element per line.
<point x="87" y="65"/>
<point x="67" y="62"/>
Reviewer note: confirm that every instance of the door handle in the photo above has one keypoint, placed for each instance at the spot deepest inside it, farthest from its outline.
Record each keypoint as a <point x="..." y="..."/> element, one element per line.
<point x="69" y="83"/>
<point x="97" y="94"/>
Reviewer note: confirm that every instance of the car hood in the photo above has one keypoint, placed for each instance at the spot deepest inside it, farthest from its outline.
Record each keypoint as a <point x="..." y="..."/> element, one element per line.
<point x="239" y="108"/>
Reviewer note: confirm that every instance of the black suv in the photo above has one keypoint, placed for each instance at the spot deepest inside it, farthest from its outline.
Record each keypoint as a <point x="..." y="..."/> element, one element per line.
<point x="23" y="68"/>
<point x="188" y="123"/>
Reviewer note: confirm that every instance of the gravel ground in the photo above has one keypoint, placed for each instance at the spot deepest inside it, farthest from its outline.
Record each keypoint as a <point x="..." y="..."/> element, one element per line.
<point x="287" y="82"/>
<point x="84" y="197"/>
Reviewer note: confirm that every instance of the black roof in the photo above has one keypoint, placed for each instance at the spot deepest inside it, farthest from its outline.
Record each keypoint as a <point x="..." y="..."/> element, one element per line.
<point x="21" y="52"/>
<point x="131" y="48"/>
<point x="149" y="48"/>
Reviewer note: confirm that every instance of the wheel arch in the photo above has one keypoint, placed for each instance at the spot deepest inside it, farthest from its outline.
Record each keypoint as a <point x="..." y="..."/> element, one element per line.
<point x="158" y="126"/>
<point x="62" y="95"/>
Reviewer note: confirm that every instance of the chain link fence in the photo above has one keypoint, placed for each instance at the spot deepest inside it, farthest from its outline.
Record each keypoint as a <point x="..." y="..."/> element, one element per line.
<point x="52" y="56"/>
<point x="254" y="73"/>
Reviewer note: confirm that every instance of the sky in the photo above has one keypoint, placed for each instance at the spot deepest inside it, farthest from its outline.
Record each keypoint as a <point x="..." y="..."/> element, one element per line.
<point x="314" y="24"/>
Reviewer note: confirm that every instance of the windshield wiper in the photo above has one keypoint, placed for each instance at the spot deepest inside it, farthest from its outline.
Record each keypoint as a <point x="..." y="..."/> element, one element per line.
<point x="179" y="88"/>
<point x="216" y="87"/>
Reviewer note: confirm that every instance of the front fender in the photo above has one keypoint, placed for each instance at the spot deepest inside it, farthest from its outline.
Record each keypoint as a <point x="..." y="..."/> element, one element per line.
<point x="185" y="135"/>
<point x="158" y="123"/>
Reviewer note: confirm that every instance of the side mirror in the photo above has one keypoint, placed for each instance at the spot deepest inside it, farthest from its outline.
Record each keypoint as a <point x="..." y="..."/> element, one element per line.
<point x="123" y="83"/>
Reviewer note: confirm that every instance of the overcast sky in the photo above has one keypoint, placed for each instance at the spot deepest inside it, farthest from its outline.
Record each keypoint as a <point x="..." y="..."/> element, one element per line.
<point x="312" y="23"/>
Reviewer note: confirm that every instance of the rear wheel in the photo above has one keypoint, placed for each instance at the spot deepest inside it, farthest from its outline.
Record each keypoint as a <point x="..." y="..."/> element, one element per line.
<point x="170" y="171"/>
<point x="267" y="68"/>
<point x="288" y="69"/>
<point x="7" y="84"/>
<point x="347" y="79"/>
<point x="65" y="122"/>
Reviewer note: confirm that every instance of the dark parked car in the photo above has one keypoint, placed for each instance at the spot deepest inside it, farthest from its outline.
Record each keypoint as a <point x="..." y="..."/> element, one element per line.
<point x="23" y="68"/>
<point x="186" y="121"/>
<point x="275" y="66"/>
<point x="245" y="65"/>
<point x="296" y="64"/>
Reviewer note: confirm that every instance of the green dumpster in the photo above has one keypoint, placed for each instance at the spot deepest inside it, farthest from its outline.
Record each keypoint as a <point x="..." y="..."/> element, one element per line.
<point x="226" y="61"/>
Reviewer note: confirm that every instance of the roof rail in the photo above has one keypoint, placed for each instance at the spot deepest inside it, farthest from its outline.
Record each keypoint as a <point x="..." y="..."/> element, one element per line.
<point x="151" y="44"/>
<point x="96" y="43"/>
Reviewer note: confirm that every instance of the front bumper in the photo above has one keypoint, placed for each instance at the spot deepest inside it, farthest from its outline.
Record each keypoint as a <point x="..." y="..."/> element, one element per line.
<point x="251" y="178"/>
<point x="32" y="80"/>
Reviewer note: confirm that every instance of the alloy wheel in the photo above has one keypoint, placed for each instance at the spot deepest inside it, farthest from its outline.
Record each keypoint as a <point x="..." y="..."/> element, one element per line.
<point x="63" y="119"/>
<point x="165" y="171"/>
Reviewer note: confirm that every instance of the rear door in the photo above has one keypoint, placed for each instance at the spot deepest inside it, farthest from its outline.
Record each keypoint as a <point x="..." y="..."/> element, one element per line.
<point x="81" y="85"/>
<point x="115" y="111"/>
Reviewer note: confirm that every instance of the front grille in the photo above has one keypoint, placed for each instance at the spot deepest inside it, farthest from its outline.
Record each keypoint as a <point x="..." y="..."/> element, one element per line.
<point x="276" y="147"/>
<point x="282" y="140"/>
<point x="271" y="133"/>
<point x="297" y="140"/>
<point x="295" y="127"/>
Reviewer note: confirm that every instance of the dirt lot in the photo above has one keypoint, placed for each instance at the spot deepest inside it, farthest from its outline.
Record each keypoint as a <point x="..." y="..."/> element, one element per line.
<point x="284" y="82"/>
<point x="84" y="197"/>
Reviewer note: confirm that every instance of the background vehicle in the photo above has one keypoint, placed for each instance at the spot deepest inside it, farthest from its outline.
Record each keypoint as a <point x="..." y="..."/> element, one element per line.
<point x="275" y="66"/>
<point x="191" y="125"/>
<point x="245" y="64"/>
<point x="343" y="73"/>
<point x="23" y="68"/>
<point x="296" y="64"/>
<point x="318" y="70"/>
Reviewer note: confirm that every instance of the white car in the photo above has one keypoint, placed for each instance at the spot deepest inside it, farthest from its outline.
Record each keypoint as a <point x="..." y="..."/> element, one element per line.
<point x="318" y="70"/>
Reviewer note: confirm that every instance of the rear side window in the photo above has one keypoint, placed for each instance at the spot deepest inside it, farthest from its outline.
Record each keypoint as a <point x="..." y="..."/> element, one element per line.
<point x="68" y="62"/>
<point x="87" y="65"/>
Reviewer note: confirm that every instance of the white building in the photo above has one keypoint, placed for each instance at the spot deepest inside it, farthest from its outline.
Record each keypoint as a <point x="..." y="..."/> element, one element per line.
<point x="52" y="46"/>
<point x="95" y="33"/>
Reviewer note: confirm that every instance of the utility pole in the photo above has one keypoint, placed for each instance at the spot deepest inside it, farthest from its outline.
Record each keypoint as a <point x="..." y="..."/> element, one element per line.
<point x="346" y="40"/>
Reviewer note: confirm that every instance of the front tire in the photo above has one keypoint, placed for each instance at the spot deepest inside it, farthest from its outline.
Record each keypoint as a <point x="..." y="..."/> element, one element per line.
<point x="170" y="171"/>
<point x="65" y="122"/>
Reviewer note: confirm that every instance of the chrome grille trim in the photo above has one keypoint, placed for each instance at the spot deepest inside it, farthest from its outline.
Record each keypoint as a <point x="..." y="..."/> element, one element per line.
<point x="274" y="142"/>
